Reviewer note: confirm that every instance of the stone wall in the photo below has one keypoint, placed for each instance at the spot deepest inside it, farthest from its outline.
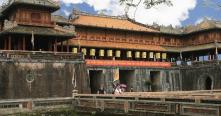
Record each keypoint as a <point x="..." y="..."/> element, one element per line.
<point x="40" y="79"/>
<point x="198" y="78"/>
<point x="187" y="78"/>
<point x="140" y="78"/>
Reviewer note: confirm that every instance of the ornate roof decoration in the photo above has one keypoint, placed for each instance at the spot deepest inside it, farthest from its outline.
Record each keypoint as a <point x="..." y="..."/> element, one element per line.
<point x="78" y="12"/>
<point x="60" y="19"/>
<point x="171" y="30"/>
<point x="206" y="24"/>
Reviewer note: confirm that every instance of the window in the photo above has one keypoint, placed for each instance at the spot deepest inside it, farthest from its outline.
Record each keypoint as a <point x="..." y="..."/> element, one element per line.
<point x="36" y="17"/>
<point x="167" y="39"/>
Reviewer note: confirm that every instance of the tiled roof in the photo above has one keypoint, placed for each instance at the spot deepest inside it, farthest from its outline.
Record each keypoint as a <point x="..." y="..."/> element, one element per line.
<point x="100" y="44"/>
<point x="103" y="21"/>
<point x="46" y="31"/>
<point x="206" y="24"/>
<point x="112" y="22"/>
<point x="42" y="3"/>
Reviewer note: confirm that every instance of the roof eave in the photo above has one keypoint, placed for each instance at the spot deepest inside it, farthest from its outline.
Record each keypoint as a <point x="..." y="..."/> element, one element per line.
<point x="27" y="33"/>
<point x="6" y="9"/>
<point x="114" y="28"/>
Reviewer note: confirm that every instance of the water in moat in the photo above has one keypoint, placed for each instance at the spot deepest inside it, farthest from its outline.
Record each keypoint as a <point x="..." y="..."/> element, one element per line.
<point x="66" y="113"/>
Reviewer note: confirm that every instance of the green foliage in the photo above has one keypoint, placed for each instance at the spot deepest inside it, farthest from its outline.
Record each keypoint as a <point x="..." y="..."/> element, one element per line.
<point x="148" y="3"/>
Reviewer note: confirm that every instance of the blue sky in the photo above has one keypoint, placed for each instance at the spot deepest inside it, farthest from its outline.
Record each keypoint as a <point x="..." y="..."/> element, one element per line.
<point x="185" y="12"/>
<point x="201" y="10"/>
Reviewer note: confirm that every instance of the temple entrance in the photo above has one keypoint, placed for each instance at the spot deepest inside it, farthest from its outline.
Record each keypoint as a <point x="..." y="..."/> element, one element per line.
<point x="208" y="83"/>
<point x="154" y="80"/>
<point x="127" y="77"/>
<point x="96" y="80"/>
<point x="205" y="83"/>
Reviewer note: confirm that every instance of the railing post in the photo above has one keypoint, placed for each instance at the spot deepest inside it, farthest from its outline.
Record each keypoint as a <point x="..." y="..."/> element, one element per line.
<point x="126" y="107"/>
<point x="21" y="106"/>
<point x="74" y="93"/>
<point x="30" y="105"/>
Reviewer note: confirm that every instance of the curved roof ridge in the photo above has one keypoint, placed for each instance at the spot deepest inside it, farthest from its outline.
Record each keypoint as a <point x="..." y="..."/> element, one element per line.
<point x="141" y="24"/>
<point x="79" y="12"/>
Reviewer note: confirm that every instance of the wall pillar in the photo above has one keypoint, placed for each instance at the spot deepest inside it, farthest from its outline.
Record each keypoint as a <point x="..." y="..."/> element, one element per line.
<point x="5" y="44"/>
<point x="9" y="42"/>
<point x="67" y="45"/>
<point x="50" y="45"/>
<point x="23" y="43"/>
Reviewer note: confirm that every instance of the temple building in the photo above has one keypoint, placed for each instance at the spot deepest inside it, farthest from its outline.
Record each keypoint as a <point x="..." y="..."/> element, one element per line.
<point x="134" y="41"/>
<point x="35" y="61"/>
<point x="23" y="19"/>
<point x="147" y="58"/>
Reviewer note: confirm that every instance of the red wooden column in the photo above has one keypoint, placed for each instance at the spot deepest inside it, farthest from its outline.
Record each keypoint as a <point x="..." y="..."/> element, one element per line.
<point x="9" y="43"/>
<point x="67" y="45"/>
<point x="50" y="45"/>
<point x="5" y="44"/>
<point x="23" y="43"/>
<point x="62" y="49"/>
<point x="19" y="43"/>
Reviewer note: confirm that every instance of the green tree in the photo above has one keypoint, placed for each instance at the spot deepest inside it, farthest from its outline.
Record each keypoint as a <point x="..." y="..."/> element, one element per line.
<point x="147" y="3"/>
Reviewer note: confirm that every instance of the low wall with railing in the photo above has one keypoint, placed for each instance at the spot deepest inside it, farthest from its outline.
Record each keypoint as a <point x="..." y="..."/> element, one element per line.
<point x="19" y="106"/>
<point x="198" y="103"/>
<point x="39" y="55"/>
<point x="188" y="103"/>
<point x="188" y="64"/>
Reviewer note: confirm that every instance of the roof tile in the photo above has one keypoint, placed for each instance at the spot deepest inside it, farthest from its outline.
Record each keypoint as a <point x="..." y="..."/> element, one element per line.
<point x="109" y="22"/>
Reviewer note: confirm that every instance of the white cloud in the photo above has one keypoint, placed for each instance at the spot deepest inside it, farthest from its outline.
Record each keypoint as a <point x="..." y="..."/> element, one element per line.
<point x="1" y="2"/>
<point x="71" y="1"/>
<point x="166" y="15"/>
